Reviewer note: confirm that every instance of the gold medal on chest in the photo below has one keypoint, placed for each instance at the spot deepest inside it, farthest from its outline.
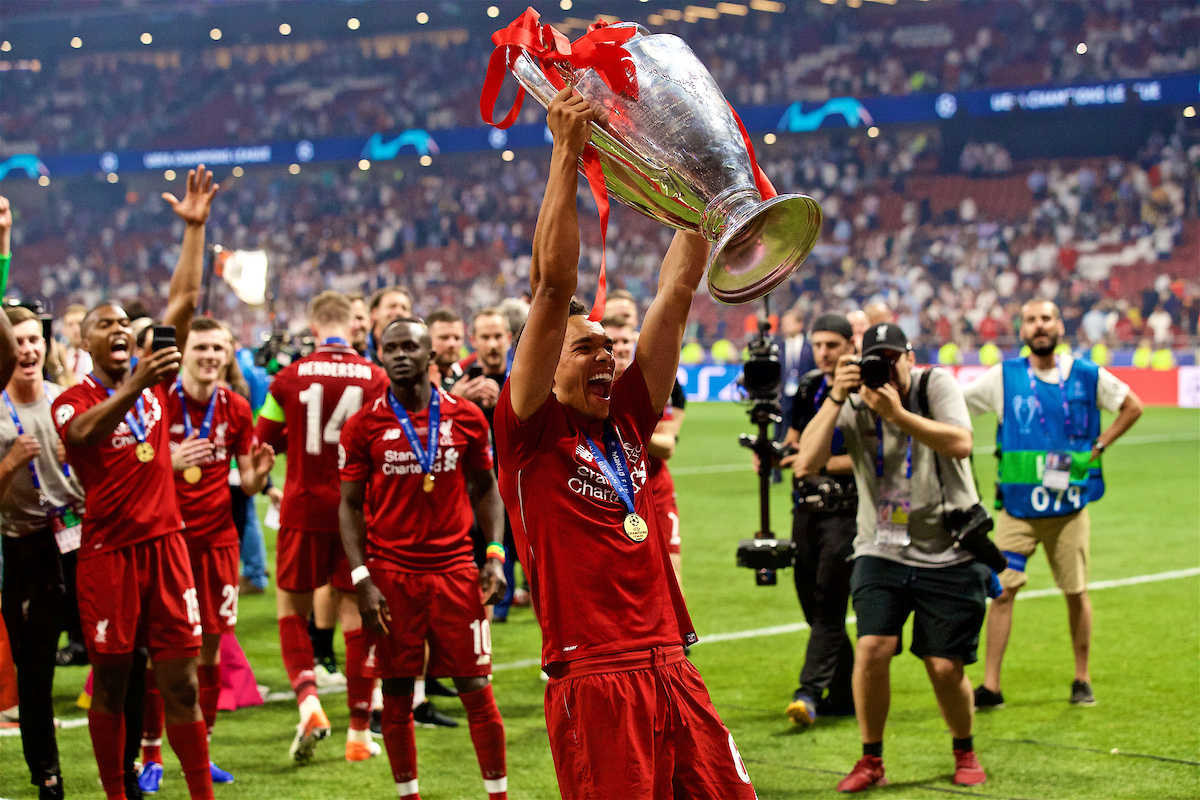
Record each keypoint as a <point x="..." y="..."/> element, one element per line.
<point x="636" y="528"/>
<point x="192" y="474"/>
<point x="144" y="452"/>
<point x="427" y="483"/>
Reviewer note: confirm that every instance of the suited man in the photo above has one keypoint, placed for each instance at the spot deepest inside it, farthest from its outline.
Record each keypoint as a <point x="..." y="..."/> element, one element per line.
<point x="796" y="358"/>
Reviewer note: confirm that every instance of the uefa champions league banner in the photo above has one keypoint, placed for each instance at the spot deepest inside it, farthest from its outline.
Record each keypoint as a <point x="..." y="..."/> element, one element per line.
<point x="837" y="112"/>
<point x="1178" y="387"/>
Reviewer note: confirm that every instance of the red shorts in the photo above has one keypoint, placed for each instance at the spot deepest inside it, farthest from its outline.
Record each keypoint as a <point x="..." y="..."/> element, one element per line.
<point x="668" y="522"/>
<point x="140" y="596"/>
<point x="444" y="609"/>
<point x="640" y="726"/>
<point x="307" y="560"/>
<point x="215" y="570"/>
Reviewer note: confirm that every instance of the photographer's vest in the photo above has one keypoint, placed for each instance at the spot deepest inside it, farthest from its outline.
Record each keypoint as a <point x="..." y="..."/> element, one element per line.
<point x="1060" y="417"/>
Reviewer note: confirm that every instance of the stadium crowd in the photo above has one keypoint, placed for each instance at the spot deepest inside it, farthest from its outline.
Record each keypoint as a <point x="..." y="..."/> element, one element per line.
<point x="258" y="92"/>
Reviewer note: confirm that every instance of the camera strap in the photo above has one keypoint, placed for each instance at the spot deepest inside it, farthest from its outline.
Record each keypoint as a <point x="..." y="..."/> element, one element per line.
<point x="923" y="409"/>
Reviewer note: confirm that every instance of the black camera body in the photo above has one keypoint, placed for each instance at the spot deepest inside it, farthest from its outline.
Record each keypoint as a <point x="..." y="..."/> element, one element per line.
<point x="766" y="554"/>
<point x="825" y="494"/>
<point x="970" y="528"/>
<point x="874" y="370"/>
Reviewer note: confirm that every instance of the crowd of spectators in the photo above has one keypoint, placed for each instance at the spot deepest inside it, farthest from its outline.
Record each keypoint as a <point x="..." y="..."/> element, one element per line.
<point x="459" y="233"/>
<point x="256" y="92"/>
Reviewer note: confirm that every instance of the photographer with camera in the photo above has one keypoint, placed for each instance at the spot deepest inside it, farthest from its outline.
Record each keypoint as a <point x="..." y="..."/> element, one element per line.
<point x="823" y="530"/>
<point x="908" y="434"/>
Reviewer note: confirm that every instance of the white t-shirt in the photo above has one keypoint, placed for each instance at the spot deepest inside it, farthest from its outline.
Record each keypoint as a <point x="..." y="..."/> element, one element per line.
<point x="986" y="393"/>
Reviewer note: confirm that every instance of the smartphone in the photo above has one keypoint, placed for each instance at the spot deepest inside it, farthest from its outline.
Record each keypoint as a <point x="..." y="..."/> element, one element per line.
<point x="474" y="371"/>
<point x="164" y="337"/>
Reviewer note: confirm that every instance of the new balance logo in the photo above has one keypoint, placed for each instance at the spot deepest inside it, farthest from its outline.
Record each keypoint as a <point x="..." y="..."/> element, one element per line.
<point x="391" y="434"/>
<point x="583" y="453"/>
<point x="483" y="659"/>
<point x="102" y="631"/>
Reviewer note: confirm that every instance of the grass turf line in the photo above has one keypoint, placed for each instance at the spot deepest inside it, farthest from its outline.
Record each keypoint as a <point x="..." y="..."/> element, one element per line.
<point x="1145" y="668"/>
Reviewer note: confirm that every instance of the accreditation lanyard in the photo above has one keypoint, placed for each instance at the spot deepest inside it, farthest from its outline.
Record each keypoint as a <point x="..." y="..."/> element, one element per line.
<point x="427" y="455"/>
<point x="137" y="426"/>
<point x="12" y="411"/>
<point x="822" y="390"/>
<point x="613" y="467"/>
<point x="1062" y="389"/>
<point x="879" y="452"/>
<point x="206" y="425"/>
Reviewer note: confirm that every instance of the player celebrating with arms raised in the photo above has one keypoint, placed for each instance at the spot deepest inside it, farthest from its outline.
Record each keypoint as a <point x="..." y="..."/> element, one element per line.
<point x="571" y="445"/>
<point x="208" y="424"/>
<point x="134" y="581"/>
<point x="420" y="462"/>
<point x="305" y="410"/>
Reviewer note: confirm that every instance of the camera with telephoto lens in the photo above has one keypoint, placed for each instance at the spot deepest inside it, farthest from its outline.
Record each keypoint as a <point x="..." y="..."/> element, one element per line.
<point x="875" y="370"/>
<point x="970" y="528"/>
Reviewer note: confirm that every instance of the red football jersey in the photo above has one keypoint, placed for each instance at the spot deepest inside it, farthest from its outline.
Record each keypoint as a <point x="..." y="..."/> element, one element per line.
<point x="125" y="501"/>
<point x="595" y="590"/>
<point x="206" y="506"/>
<point x="408" y="529"/>
<point x="660" y="477"/>
<point x="317" y="394"/>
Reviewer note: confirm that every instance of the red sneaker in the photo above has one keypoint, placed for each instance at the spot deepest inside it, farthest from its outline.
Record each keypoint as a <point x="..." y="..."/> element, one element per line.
<point x="867" y="772"/>
<point x="967" y="771"/>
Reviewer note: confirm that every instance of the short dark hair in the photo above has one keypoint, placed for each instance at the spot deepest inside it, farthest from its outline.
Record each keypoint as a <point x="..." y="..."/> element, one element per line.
<point x="614" y="321"/>
<point x="443" y="314"/>
<point x="621" y="294"/>
<point x="379" y="294"/>
<point x="409" y="320"/>
<point x="355" y="295"/>
<point x="575" y="309"/>
<point x="208" y="324"/>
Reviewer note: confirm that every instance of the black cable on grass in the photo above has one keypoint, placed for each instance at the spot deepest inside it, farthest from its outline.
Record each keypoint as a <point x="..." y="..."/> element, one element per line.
<point x="927" y="786"/>
<point x="1114" y="752"/>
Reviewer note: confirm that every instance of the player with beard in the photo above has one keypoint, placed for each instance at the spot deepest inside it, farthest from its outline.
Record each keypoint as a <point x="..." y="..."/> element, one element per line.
<point x="571" y="445"/>
<point x="1048" y="443"/>
<point x="491" y="339"/>
<point x="209" y="424"/>
<point x="360" y="322"/>
<point x="417" y="463"/>
<point x="134" y="579"/>
<point x="304" y="413"/>
<point x="386" y="304"/>
<point x="447" y="333"/>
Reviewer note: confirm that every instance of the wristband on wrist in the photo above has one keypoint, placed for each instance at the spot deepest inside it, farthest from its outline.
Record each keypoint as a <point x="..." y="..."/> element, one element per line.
<point x="495" y="550"/>
<point x="5" y="261"/>
<point x="837" y="402"/>
<point x="359" y="574"/>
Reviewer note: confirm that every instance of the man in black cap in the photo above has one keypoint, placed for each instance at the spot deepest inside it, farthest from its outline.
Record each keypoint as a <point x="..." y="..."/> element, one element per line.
<point x="908" y="433"/>
<point x="823" y="529"/>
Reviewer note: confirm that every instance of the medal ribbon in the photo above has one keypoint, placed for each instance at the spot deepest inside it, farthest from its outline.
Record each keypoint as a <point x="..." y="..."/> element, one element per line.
<point x="879" y="453"/>
<point x="1062" y="389"/>
<point x="425" y="457"/>
<point x="12" y="412"/>
<point x="613" y="467"/>
<point x="136" y="426"/>
<point x="206" y="425"/>
<point x="335" y="341"/>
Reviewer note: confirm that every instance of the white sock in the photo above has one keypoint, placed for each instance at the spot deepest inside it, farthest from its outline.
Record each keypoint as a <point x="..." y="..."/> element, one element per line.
<point x="407" y="788"/>
<point x="358" y="736"/>
<point x="418" y="692"/>
<point x="376" y="698"/>
<point x="308" y="706"/>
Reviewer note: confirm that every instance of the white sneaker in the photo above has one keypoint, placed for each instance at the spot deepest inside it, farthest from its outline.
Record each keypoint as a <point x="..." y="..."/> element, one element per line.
<point x="314" y="726"/>
<point x="326" y="679"/>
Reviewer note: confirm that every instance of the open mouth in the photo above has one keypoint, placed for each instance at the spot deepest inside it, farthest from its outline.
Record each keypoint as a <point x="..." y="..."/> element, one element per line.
<point x="120" y="345"/>
<point x="601" y="385"/>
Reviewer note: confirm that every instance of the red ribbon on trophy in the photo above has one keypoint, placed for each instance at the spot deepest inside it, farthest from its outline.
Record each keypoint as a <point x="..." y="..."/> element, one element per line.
<point x="600" y="48"/>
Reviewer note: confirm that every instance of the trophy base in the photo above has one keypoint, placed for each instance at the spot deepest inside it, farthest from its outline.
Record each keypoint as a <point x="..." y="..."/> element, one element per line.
<point x="764" y="248"/>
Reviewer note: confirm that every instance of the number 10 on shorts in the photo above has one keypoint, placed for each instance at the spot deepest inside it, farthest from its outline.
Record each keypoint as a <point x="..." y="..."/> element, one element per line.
<point x="481" y="630"/>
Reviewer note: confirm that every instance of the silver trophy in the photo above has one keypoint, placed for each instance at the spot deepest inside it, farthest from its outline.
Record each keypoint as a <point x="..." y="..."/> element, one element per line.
<point x="676" y="154"/>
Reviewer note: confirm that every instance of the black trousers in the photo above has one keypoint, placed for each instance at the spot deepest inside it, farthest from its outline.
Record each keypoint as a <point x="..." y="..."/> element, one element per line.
<point x="824" y="544"/>
<point x="36" y="607"/>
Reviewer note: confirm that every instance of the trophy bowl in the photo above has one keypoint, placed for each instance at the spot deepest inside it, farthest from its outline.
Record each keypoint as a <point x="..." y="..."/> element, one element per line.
<point x="674" y="151"/>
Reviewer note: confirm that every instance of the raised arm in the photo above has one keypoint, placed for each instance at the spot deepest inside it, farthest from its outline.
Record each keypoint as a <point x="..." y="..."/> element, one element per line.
<point x="8" y="342"/>
<point x="553" y="273"/>
<point x="184" y="294"/>
<point x="662" y="330"/>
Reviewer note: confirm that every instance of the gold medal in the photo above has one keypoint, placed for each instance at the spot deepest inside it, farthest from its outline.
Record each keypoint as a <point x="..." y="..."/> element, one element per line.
<point x="427" y="484"/>
<point x="635" y="528"/>
<point x="144" y="452"/>
<point x="192" y="474"/>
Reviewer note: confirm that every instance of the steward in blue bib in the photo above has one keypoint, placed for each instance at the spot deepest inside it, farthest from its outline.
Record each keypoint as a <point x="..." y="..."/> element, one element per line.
<point x="1043" y="424"/>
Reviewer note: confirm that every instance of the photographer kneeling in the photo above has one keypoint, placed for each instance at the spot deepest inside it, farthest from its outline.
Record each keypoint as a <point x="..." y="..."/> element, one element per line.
<point x="908" y="433"/>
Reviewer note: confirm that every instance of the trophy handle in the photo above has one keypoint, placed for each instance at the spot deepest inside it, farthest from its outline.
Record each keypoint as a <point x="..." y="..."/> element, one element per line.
<point x="530" y="76"/>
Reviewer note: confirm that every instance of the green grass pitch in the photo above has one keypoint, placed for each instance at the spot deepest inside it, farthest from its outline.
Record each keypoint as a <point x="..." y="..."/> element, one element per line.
<point x="1145" y="667"/>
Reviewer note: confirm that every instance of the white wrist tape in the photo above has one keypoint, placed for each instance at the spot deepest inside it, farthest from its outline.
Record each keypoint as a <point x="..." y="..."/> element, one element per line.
<point x="359" y="574"/>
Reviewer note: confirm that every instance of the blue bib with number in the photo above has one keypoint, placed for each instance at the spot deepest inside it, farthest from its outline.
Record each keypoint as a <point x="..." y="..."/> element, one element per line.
<point x="1040" y="419"/>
